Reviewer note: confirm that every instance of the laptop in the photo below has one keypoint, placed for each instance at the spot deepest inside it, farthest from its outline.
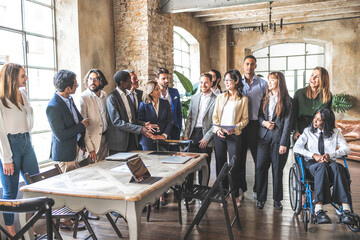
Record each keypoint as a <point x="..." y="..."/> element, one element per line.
<point x="140" y="172"/>
<point x="122" y="156"/>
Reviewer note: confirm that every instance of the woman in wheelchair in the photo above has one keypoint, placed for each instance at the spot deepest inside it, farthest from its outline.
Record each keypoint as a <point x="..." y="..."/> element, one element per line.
<point x="321" y="144"/>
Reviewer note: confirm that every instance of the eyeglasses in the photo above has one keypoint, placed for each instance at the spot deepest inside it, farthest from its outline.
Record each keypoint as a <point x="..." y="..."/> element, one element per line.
<point x="93" y="79"/>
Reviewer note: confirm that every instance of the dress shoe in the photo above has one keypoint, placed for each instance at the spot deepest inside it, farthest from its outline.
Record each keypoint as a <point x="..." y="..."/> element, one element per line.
<point x="189" y="201"/>
<point x="92" y="216"/>
<point x="260" y="204"/>
<point x="278" y="205"/>
<point x="322" y="217"/>
<point x="346" y="218"/>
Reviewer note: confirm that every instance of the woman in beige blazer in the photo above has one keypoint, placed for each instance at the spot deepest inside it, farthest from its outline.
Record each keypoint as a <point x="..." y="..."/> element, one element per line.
<point x="231" y="109"/>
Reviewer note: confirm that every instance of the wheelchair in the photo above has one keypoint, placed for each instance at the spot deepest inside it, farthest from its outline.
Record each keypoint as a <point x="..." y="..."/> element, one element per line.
<point x="299" y="185"/>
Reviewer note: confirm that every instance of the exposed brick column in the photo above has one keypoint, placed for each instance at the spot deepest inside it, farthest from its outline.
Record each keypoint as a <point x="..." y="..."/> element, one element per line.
<point x="143" y="37"/>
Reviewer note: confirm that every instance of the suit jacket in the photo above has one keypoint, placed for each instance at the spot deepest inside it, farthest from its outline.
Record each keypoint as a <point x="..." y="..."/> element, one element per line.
<point x="139" y="95"/>
<point x="207" y="127"/>
<point x="163" y="119"/>
<point x="176" y="107"/>
<point x="64" y="130"/>
<point x="283" y="124"/>
<point x="89" y="109"/>
<point x="119" y="124"/>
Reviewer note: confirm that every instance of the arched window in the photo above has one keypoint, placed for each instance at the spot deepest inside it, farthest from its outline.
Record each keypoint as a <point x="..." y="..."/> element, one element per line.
<point x="295" y="60"/>
<point x="186" y="57"/>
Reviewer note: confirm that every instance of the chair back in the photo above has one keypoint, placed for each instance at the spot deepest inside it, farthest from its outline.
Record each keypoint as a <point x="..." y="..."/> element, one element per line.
<point x="41" y="205"/>
<point x="41" y="176"/>
<point x="182" y="143"/>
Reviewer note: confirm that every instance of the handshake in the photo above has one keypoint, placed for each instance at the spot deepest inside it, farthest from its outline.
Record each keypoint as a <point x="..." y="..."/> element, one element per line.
<point x="149" y="129"/>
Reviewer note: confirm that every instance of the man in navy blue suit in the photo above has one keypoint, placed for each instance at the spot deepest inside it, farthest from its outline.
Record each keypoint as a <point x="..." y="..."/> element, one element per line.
<point x="67" y="124"/>
<point x="173" y="97"/>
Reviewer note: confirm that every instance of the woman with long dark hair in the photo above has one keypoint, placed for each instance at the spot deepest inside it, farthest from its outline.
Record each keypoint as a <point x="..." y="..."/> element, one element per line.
<point x="16" y="120"/>
<point x="321" y="144"/>
<point x="308" y="100"/>
<point x="275" y="118"/>
<point x="231" y="109"/>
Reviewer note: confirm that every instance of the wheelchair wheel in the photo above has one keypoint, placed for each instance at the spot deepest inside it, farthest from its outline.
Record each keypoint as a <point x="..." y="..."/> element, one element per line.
<point x="306" y="220"/>
<point x="356" y="226"/>
<point x="295" y="189"/>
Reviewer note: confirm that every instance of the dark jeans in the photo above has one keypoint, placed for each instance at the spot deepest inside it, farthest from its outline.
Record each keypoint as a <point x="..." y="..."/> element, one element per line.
<point x="250" y="138"/>
<point x="324" y="174"/>
<point x="231" y="145"/>
<point x="196" y="136"/>
<point x="24" y="160"/>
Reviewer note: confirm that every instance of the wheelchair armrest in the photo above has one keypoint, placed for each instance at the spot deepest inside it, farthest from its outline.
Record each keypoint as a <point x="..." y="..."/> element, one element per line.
<point x="25" y="205"/>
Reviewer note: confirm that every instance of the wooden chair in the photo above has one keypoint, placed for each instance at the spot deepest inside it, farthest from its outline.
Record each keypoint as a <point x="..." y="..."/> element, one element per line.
<point x="217" y="194"/>
<point x="41" y="205"/>
<point x="63" y="212"/>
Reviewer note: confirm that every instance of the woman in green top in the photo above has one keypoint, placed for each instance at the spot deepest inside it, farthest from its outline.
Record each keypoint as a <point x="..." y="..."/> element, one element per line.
<point x="308" y="100"/>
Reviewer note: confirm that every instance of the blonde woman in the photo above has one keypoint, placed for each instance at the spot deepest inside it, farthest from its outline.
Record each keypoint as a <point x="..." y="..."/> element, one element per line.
<point x="157" y="111"/>
<point x="16" y="120"/>
<point x="231" y="109"/>
<point x="308" y="100"/>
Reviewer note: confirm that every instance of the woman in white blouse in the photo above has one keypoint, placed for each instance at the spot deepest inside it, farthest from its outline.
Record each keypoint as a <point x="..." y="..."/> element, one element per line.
<point x="16" y="120"/>
<point x="231" y="109"/>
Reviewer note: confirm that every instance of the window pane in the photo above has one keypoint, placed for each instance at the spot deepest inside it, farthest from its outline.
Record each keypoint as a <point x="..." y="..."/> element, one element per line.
<point x="42" y="145"/>
<point x="41" y="52"/>
<point x="261" y="52"/>
<point x="41" y="84"/>
<point x="262" y="64"/>
<point x="277" y="64"/>
<point x="263" y="75"/>
<point x="307" y="77"/>
<point x="185" y="59"/>
<point x="177" y="41"/>
<point x="48" y="2"/>
<point x="287" y="49"/>
<point x="10" y="14"/>
<point x="177" y="57"/>
<point x="11" y="47"/>
<point x="313" y="49"/>
<point x="38" y="19"/>
<point x="40" y="119"/>
<point x="296" y="63"/>
<point x="314" y="61"/>
<point x="184" y="45"/>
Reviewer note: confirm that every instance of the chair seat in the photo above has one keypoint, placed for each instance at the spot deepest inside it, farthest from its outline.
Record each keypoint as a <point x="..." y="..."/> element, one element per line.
<point x="63" y="212"/>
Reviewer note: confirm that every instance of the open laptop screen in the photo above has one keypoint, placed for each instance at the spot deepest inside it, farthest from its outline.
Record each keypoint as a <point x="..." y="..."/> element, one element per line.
<point x="138" y="169"/>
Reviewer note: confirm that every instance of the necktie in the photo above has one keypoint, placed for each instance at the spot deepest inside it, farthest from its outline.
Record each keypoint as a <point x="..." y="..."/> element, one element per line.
<point x="321" y="146"/>
<point x="133" y="99"/>
<point x="132" y="108"/>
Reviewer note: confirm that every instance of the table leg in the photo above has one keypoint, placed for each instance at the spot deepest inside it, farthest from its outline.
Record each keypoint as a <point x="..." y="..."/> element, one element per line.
<point x="23" y="219"/>
<point x="133" y="217"/>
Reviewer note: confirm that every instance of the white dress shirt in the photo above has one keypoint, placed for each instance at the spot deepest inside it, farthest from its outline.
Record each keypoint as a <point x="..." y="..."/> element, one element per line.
<point x="14" y="121"/>
<point x="227" y="118"/>
<point x="167" y="96"/>
<point x="307" y="144"/>
<point x="204" y="100"/>
<point x="126" y="103"/>
<point x="273" y="100"/>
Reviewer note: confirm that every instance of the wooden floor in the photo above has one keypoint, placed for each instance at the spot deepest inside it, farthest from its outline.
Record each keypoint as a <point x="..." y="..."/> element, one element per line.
<point x="267" y="223"/>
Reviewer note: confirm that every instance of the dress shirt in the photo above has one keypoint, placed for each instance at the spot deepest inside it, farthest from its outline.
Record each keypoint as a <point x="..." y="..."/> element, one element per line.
<point x="204" y="100"/>
<point x="227" y="118"/>
<point x="216" y="92"/>
<point x="273" y="99"/>
<point x="255" y="93"/>
<point x="126" y="103"/>
<point x="14" y="121"/>
<point x="101" y="103"/>
<point x="307" y="144"/>
<point x="167" y="96"/>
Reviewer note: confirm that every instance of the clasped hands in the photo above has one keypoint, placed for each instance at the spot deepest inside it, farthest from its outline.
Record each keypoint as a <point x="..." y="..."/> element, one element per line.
<point x="222" y="131"/>
<point x="269" y="124"/>
<point x="321" y="158"/>
<point x="149" y="129"/>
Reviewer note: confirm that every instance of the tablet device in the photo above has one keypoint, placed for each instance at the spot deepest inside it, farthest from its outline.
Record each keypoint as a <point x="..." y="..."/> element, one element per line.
<point x="121" y="156"/>
<point x="140" y="172"/>
<point x="176" y="159"/>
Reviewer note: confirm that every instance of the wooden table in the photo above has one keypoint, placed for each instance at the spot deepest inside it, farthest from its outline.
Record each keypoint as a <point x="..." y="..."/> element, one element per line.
<point x="103" y="188"/>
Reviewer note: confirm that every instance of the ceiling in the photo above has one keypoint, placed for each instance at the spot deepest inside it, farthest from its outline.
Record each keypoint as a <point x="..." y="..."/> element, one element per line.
<point x="247" y="13"/>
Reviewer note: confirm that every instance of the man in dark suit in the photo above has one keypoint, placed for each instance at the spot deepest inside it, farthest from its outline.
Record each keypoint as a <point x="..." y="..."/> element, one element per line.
<point x="135" y="94"/>
<point x="124" y="127"/>
<point x="173" y="97"/>
<point x="198" y="126"/>
<point x="67" y="124"/>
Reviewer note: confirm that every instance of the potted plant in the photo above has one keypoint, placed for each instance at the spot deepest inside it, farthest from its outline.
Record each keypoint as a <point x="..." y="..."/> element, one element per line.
<point x="341" y="103"/>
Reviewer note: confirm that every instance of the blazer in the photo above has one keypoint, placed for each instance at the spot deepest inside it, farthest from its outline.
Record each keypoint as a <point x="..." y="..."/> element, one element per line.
<point x="241" y="117"/>
<point x="207" y="126"/>
<point x="176" y="107"/>
<point x="89" y="109"/>
<point x="64" y="130"/>
<point x="119" y="125"/>
<point x="164" y="119"/>
<point x="139" y="95"/>
<point x="283" y="124"/>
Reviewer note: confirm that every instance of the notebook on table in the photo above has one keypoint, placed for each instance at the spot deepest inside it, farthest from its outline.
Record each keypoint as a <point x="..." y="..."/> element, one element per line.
<point x="140" y="172"/>
<point x="121" y="156"/>
<point x="176" y="159"/>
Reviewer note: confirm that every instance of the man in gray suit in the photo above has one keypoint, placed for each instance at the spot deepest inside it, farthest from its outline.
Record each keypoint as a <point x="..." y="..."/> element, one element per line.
<point x="124" y="128"/>
<point x="198" y="126"/>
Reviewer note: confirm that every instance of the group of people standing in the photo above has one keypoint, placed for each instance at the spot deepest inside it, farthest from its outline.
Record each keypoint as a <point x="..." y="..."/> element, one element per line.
<point x="262" y="116"/>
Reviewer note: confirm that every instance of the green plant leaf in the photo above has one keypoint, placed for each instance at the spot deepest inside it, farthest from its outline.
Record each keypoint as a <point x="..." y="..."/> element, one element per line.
<point x="184" y="81"/>
<point x="341" y="103"/>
